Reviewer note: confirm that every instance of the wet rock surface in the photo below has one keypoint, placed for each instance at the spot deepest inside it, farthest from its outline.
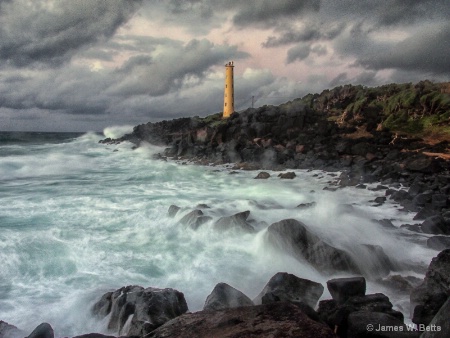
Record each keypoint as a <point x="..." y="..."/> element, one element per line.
<point x="428" y="297"/>
<point x="148" y="308"/>
<point x="279" y="319"/>
<point x="225" y="296"/>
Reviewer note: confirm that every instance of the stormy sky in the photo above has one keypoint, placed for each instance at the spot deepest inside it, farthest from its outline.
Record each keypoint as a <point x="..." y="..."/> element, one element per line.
<point x="88" y="64"/>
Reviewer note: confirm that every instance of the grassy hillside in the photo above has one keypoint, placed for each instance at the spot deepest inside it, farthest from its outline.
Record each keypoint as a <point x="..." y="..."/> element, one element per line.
<point x="421" y="109"/>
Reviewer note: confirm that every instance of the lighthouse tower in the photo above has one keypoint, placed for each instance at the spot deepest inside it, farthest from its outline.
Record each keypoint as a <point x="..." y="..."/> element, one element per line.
<point x="228" y="97"/>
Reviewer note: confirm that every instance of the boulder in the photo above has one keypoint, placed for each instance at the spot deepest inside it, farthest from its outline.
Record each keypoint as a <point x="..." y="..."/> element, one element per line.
<point x="284" y="287"/>
<point x="436" y="225"/>
<point x="225" y="296"/>
<point x="269" y="320"/>
<point x="428" y="297"/>
<point x="237" y="221"/>
<point x="293" y="237"/>
<point x="194" y="219"/>
<point x="173" y="210"/>
<point x="10" y="331"/>
<point x="262" y="175"/>
<point x="289" y="175"/>
<point x="440" y="325"/>
<point x="336" y="315"/>
<point x="43" y="330"/>
<point x="148" y="308"/>
<point x="439" y="242"/>
<point x="341" y="289"/>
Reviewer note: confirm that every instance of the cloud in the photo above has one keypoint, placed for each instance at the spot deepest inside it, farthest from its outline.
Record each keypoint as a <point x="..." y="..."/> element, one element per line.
<point x="51" y="32"/>
<point x="426" y="51"/>
<point x="266" y="13"/>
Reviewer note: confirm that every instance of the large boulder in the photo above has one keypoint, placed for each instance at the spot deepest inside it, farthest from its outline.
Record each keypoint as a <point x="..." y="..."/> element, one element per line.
<point x="337" y="315"/>
<point x="341" y="289"/>
<point x="10" y="331"/>
<point x="294" y="238"/>
<point x="43" y="330"/>
<point x="439" y="242"/>
<point x="237" y="221"/>
<point x="440" y="325"/>
<point x="286" y="287"/>
<point x="149" y="308"/>
<point x="428" y="297"/>
<point x="225" y="296"/>
<point x="279" y="319"/>
<point x="194" y="219"/>
<point x="436" y="225"/>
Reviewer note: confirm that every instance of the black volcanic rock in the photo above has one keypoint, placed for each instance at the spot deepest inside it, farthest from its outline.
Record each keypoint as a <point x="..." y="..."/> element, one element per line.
<point x="427" y="298"/>
<point x="150" y="307"/>
<point x="286" y="287"/>
<point x="225" y="296"/>
<point x="237" y="221"/>
<point x="294" y="238"/>
<point x="280" y="319"/>
<point x="341" y="289"/>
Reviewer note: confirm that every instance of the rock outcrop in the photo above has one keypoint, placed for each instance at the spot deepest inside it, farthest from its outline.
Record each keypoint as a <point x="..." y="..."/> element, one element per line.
<point x="428" y="297"/>
<point x="135" y="310"/>
<point x="224" y="296"/>
<point x="279" y="319"/>
<point x="286" y="287"/>
<point x="295" y="239"/>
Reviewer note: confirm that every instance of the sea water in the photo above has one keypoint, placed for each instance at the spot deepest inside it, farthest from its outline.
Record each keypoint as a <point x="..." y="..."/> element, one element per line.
<point x="79" y="218"/>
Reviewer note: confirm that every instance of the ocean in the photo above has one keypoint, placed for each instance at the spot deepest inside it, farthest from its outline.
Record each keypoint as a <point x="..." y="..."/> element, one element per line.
<point x="79" y="218"/>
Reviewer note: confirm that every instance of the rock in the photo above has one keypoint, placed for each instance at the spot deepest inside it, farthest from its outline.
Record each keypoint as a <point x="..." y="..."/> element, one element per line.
<point x="427" y="298"/>
<point x="173" y="210"/>
<point x="341" y="289"/>
<point x="225" y="296"/>
<point x="286" y="287"/>
<point x="439" y="242"/>
<point x="10" y="331"/>
<point x="380" y="200"/>
<point x="43" y="330"/>
<point x="306" y="205"/>
<point x="426" y="165"/>
<point x="336" y="315"/>
<point x="436" y="225"/>
<point x="262" y="175"/>
<point x="269" y="320"/>
<point x="387" y="223"/>
<point x="439" y="201"/>
<point x="382" y="325"/>
<point x="289" y="175"/>
<point x="400" y="283"/>
<point x="194" y="219"/>
<point x="293" y="237"/>
<point x="400" y="195"/>
<point x="237" y="221"/>
<point x="149" y="308"/>
<point x="422" y="199"/>
<point x="440" y="325"/>
<point x="376" y="263"/>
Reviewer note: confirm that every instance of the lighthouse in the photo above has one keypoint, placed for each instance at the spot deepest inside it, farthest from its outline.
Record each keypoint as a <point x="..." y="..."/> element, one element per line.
<point x="228" y="96"/>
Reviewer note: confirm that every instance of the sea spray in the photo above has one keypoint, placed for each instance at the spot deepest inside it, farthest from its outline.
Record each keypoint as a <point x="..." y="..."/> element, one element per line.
<point x="80" y="218"/>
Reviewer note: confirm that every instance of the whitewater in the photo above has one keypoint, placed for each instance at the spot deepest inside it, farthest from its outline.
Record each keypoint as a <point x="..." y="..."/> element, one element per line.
<point x="79" y="218"/>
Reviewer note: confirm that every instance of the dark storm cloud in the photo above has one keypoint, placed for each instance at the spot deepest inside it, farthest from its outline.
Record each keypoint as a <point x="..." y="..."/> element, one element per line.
<point x="78" y="90"/>
<point x="267" y="13"/>
<point x="311" y="32"/>
<point x="49" y="33"/>
<point x="427" y="51"/>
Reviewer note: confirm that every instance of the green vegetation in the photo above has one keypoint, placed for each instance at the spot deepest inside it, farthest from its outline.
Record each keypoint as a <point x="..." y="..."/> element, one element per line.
<point x="422" y="109"/>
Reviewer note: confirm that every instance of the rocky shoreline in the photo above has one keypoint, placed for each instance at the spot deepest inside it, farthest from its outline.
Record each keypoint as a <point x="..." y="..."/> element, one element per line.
<point x="411" y="172"/>
<point x="284" y="308"/>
